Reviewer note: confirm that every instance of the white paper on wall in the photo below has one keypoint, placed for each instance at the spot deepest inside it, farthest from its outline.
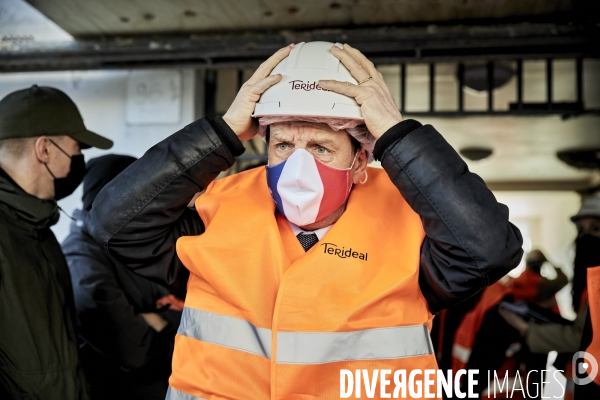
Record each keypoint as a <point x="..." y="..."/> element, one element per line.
<point x="154" y="97"/>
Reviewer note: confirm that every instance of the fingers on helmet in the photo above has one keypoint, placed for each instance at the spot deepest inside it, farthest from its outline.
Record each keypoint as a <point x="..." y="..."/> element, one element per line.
<point x="345" y="88"/>
<point x="358" y="71"/>
<point x="265" y="83"/>
<point x="364" y="61"/>
<point x="270" y="63"/>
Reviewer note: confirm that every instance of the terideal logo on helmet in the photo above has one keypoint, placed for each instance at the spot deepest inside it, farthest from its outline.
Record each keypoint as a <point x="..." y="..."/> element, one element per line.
<point x="301" y="85"/>
<point x="299" y="94"/>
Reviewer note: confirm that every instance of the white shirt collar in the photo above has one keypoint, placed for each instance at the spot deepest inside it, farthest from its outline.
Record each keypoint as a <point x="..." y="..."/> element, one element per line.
<point x="319" y="232"/>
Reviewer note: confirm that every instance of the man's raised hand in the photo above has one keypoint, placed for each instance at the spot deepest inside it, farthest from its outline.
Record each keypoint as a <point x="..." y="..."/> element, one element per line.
<point x="376" y="102"/>
<point x="239" y="115"/>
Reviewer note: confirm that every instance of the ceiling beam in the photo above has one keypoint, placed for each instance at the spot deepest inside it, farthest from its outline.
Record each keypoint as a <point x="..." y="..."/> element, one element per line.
<point x="383" y="45"/>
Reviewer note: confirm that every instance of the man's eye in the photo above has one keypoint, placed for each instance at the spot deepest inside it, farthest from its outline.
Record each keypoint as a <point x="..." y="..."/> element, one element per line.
<point x="282" y="146"/>
<point x="322" y="150"/>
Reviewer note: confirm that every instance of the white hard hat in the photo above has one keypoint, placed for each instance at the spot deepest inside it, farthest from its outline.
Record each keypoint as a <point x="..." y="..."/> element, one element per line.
<point x="298" y="92"/>
<point x="298" y="96"/>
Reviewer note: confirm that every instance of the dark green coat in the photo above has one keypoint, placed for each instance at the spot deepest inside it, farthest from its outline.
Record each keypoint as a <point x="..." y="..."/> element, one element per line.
<point x="38" y="343"/>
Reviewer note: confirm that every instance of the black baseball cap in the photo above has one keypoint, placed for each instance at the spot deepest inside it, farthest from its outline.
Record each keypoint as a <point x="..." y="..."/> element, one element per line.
<point x="45" y="111"/>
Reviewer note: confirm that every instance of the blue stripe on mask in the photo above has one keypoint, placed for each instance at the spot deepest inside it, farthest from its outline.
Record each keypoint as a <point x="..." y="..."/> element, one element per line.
<point x="273" y="175"/>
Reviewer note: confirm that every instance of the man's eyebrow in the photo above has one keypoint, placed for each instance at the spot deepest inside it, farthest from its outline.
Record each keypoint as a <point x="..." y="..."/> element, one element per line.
<point x="323" y="141"/>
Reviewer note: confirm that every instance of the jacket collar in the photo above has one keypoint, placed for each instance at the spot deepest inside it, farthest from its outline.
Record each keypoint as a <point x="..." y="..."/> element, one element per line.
<point x="24" y="207"/>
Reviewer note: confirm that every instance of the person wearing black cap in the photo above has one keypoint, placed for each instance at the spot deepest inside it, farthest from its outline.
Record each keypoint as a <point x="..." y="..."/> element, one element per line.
<point x="41" y="137"/>
<point x="127" y="337"/>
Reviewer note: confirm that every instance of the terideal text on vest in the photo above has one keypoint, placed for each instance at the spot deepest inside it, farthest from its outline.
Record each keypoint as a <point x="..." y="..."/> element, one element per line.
<point x="342" y="252"/>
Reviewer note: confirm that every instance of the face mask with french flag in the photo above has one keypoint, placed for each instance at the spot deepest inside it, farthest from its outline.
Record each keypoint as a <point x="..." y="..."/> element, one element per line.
<point x="305" y="190"/>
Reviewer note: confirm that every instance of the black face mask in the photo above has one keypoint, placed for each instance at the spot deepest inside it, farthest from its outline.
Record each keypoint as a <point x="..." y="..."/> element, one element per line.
<point x="587" y="251"/>
<point x="63" y="187"/>
<point x="587" y="254"/>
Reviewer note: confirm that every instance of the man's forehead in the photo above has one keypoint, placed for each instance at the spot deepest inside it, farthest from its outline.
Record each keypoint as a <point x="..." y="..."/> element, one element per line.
<point x="305" y="131"/>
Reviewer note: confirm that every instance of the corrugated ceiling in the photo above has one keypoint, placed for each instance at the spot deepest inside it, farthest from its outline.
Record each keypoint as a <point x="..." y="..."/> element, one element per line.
<point x="111" y="17"/>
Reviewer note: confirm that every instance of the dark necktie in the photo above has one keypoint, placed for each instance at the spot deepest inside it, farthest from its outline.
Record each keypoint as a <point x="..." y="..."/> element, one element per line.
<point x="307" y="240"/>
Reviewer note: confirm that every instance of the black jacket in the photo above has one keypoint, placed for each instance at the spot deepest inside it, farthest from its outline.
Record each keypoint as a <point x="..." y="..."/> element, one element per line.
<point x="38" y="343"/>
<point x="469" y="244"/>
<point x="122" y="355"/>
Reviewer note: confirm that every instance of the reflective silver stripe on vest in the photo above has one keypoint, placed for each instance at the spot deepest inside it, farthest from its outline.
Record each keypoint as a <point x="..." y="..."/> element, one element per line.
<point x="225" y="331"/>
<point x="369" y="344"/>
<point x="462" y="353"/>
<point x="174" y="394"/>
<point x="306" y="347"/>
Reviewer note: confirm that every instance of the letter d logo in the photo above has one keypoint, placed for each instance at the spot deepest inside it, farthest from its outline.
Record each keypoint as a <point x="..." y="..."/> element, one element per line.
<point x="588" y="366"/>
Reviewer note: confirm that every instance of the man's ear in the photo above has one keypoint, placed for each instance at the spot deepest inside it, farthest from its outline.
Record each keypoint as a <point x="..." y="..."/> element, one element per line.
<point x="42" y="149"/>
<point x="360" y="165"/>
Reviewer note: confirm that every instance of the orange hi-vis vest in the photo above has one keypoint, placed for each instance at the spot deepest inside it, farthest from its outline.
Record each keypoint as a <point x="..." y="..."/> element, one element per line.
<point x="263" y="319"/>
<point x="526" y="287"/>
<point x="593" y="289"/>
<point x="466" y="333"/>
